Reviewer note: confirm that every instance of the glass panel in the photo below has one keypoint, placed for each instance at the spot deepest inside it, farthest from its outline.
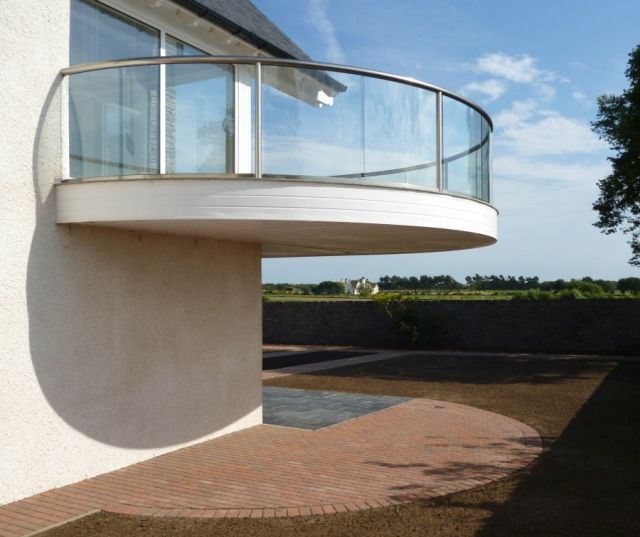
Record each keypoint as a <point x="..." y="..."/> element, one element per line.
<point x="400" y="133"/>
<point x="114" y="114"/>
<point x="199" y="114"/>
<point x="114" y="122"/>
<point x="312" y="123"/>
<point x="486" y="160"/>
<point x="100" y="33"/>
<point x="462" y="155"/>
<point x="175" y="47"/>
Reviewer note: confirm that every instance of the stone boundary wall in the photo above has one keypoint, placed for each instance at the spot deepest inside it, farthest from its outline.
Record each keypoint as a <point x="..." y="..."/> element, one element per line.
<point x="551" y="326"/>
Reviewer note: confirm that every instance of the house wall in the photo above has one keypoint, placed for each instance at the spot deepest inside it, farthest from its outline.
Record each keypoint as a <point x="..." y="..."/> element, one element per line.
<point x="115" y="346"/>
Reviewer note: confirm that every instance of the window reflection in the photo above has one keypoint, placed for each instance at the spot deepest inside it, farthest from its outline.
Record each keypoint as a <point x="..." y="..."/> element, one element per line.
<point x="199" y="114"/>
<point x="312" y="122"/>
<point x="99" y="33"/>
<point x="400" y="133"/>
<point x="114" y="114"/>
<point x="465" y="145"/>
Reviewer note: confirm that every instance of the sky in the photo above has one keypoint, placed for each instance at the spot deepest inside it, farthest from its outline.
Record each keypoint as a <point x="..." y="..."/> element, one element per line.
<point x="537" y="68"/>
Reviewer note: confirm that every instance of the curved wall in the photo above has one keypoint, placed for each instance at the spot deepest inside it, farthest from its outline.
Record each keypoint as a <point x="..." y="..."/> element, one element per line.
<point x="115" y="346"/>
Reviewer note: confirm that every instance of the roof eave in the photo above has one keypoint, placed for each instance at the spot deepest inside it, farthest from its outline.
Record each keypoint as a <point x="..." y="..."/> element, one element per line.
<point x="234" y="29"/>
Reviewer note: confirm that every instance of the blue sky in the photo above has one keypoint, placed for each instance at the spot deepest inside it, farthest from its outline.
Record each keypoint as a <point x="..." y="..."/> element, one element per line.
<point x="537" y="68"/>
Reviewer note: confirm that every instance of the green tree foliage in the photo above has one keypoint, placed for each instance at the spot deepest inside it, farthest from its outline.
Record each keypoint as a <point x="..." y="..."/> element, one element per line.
<point x="629" y="284"/>
<point x="618" y="123"/>
<point x="328" y="288"/>
<point x="424" y="282"/>
<point x="502" y="283"/>
<point x="521" y="287"/>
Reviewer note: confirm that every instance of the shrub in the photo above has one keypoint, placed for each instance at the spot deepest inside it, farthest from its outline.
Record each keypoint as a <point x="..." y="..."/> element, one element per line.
<point x="329" y="288"/>
<point x="415" y="326"/>
<point x="573" y="294"/>
<point x="534" y="294"/>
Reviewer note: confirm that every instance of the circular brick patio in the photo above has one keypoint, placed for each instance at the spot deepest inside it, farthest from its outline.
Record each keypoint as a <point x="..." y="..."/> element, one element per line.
<point x="417" y="449"/>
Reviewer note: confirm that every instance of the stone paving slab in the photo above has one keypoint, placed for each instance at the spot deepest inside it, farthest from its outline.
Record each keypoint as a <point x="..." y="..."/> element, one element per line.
<point x="312" y="409"/>
<point x="293" y="359"/>
<point x="417" y="449"/>
<point x="369" y="356"/>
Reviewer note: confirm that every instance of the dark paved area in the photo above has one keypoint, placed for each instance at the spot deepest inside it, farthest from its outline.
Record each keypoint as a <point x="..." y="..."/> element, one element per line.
<point x="298" y="358"/>
<point x="310" y="409"/>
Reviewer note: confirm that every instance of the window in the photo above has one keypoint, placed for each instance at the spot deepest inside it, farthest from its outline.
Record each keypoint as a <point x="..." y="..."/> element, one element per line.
<point x="114" y="113"/>
<point x="117" y="120"/>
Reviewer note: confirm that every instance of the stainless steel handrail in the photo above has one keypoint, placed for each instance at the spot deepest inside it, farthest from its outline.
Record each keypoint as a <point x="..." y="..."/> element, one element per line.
<point x="259" y="62"/>
<point x="253" y="60"/>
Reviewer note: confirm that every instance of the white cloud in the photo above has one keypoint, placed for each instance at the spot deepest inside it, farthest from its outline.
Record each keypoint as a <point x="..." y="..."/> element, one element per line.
<point x="553" y="134"/>
<point x="546" y="91"/>
<point x="506" y="70"/>
<point x="529" y="170"/>
<point x="580" y="96"/>
<point x="492" y="88"/>
<point x="520" y="69"/>
<point x="519" y="112"/>
<point x="541" y="148"/>
<point x="525" y="129"/>
<point x="319" y="18"/>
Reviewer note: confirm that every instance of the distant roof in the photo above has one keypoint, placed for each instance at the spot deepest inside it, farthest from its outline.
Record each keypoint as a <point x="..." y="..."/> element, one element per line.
<point x="244" y="20"/>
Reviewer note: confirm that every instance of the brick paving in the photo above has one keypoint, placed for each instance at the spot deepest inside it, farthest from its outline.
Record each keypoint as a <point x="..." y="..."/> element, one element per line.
<point x="418" y="449"/>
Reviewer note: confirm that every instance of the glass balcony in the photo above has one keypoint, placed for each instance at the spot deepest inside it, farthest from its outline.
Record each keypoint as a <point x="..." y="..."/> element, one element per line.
<point x="271" y="118"/>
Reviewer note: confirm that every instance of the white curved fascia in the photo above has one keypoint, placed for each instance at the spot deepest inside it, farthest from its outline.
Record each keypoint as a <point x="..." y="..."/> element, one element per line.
<point x="310" y="217"/>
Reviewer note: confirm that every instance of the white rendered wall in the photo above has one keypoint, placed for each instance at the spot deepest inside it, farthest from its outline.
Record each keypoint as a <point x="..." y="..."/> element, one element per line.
<point x="115" y="346"/>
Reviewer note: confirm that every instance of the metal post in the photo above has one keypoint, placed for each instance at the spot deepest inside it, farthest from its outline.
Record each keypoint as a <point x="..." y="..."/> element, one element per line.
<point x="162" y="130"/>
<point x="490" y="193"/>
<point x="258" y="156"/>
<point x="439" y="170"/>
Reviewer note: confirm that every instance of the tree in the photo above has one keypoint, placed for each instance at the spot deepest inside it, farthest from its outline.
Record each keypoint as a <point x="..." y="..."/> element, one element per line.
<point x="629" y="284"/>
<point x="618" y="123"/>
<point x="329" y="288"/>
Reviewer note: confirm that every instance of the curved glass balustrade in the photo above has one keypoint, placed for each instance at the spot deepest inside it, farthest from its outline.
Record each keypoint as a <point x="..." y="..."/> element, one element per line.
<point x="266" y="117"/>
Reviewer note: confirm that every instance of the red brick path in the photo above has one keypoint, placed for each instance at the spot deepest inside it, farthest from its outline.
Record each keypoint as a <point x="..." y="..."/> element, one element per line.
<point x="419" y="449"/>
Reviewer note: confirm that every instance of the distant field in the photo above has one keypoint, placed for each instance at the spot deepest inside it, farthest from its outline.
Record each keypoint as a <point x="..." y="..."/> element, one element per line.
<point x="444" y="295"/>
<point x="310" y="298"/>
<point x="420" y="295"/>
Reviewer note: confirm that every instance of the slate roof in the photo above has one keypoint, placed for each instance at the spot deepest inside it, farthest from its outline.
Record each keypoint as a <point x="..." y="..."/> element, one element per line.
<point x="247" y="22"/>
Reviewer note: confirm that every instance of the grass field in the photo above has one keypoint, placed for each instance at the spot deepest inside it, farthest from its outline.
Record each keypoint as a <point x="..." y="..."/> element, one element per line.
<point x="423" y="295"/>
<point x="426" y="295"/>
<point x="586" y="482"/>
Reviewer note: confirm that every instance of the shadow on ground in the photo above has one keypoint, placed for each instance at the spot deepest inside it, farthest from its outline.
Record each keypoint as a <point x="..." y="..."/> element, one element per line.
<point x="588" y="482"/>
<point x="476" y="369"/>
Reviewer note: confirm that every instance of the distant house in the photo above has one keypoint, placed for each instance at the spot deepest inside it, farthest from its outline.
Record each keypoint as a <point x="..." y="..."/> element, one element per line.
<point x="355" y="287"/>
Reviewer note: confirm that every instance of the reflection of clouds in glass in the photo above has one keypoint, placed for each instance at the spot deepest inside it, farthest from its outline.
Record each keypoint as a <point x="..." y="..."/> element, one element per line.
<point x="293" y="155"/>
<point x="199" y="118"/>
<point x="372" y="126"/>
<point x="400" y="125"/>
<point x="463" y="131"/>
<point x="329" y="137"/>
<point x="298" y="155"/>
<point x="461" y="127"/>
